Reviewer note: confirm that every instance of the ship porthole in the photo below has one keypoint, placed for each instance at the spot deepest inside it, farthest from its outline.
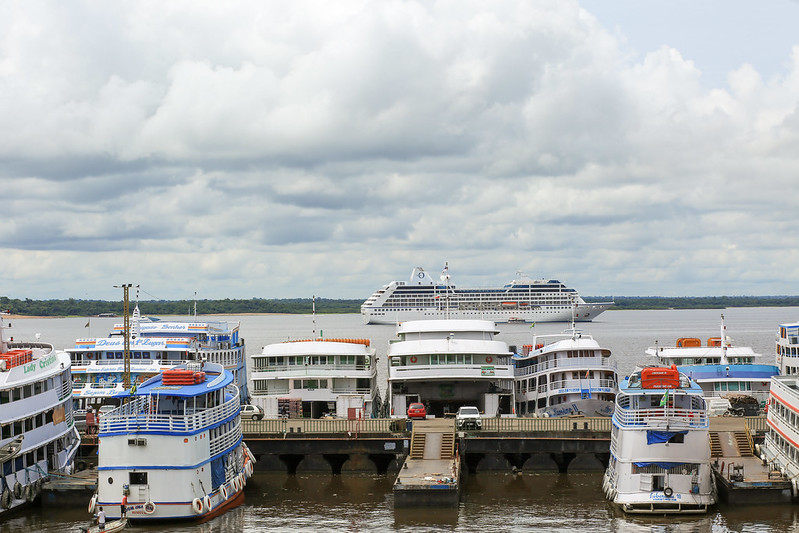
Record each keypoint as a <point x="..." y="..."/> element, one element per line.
<point x="668" y="492"/>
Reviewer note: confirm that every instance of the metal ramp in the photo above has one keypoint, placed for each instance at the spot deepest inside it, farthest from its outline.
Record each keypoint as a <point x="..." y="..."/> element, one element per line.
<point x="430" y="475"/>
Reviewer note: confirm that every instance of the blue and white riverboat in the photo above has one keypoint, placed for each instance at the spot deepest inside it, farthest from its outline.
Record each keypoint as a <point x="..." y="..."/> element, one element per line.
<point x="659" y="447"/>
<point x="174" y="448"/>
<point x="155" y="346"/>
<point x="719" y="367"/>
<point x="37" y="430"/>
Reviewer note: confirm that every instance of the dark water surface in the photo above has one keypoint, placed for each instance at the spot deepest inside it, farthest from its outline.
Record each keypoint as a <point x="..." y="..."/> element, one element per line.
<point x="546" y="502"/>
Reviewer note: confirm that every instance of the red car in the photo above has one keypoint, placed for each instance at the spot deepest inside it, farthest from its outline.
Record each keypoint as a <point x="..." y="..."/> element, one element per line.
<point x="417" y="410"/>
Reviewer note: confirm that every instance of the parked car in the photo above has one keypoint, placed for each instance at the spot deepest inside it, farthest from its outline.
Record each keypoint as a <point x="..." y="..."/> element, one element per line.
<point x="417" y="411"/>
<point x="468" y="417"/>
<point x="253" y="412"/>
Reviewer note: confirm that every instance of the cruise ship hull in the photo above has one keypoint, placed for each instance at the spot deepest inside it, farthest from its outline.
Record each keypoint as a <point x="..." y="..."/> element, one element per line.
<point x="584" y="313"/>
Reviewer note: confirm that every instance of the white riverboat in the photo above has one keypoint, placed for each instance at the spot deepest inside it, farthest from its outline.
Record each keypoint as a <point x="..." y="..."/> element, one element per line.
<point x="446" y="364"/>
<point x="174" y="448"/>
<point x="98" y="363"/>
<point x="37" y="431"/>
<point x="720" y="368"/>
<point x="521" y="300"/>
<point x="780" y="447"/>
<point x="659" y="448"/>
<point x="316" y="378"/>
<point x="565" y="374"/>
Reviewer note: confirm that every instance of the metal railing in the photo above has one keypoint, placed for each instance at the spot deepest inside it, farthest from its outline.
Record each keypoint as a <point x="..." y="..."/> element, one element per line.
<point x="309" y="369"/>
<point x="141" y="415"/>
<point x="586" y="363"/>
<point x="644" y="417"/>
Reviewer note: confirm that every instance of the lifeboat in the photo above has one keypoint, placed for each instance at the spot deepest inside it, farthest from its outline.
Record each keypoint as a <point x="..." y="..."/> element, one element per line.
<point x="714" y="341"/>
<point x="660" y="378"/>
<point x="689" y="342"/>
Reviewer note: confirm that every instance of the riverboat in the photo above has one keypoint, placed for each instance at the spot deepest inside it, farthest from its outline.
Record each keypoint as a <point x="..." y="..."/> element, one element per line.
<point x="37" y="430"/>
<point x="659" y="445"/>
<point x="521" y="300"/>
<point x="788" y="348"/>
<point x="446" y="364"/>
<point x="98" y="366"/>
<point x="720" y="368"/>
<point x="174" y="448"/>
<point x="565" y="374"/>
<point x="316" y="378"/>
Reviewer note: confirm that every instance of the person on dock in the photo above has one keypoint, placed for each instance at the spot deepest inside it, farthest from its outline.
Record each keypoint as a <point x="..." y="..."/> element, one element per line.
<point x="123" y="507"/>
<point x="101" y="519"/>
<point x="91" y="422"/>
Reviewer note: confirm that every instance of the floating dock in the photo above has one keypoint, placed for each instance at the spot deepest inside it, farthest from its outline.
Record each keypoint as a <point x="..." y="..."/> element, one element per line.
<point x="430" y="476"/>
<point x="741" y="476"/>
<point x="70" y="489"/>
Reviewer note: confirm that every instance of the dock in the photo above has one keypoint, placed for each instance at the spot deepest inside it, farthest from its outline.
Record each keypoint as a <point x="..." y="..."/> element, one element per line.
<point x="741" y="476"/>
<point x="70" y="489"/>
<point x="430" y="476"/>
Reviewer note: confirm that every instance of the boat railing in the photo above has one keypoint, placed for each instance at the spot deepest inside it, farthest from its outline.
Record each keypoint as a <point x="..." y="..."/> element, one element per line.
<point x="585" y="383"/>
<point x="574" y="362"/>
<point x="141" y="414"/>
<point x="351" y="390"/>
<point x="226" y="440"/>
<point x="66" y="390"/>
<point x="305" y="369"/>
<point x="655" y="416"/>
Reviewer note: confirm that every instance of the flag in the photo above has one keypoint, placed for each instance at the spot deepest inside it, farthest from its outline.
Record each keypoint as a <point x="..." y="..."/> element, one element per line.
<point x="665" y="400"/>
<point x="87" y="324"/>
<point x="532" y="325"/>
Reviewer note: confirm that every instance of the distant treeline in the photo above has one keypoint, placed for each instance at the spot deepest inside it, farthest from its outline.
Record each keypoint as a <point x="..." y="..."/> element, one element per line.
<point x="73" y="307"/>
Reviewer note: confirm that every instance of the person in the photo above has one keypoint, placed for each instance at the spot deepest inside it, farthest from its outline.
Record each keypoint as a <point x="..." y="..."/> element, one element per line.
<point x="101" y="518"/>
<point x="124" y="505"/>
<point x="90" y="421"/>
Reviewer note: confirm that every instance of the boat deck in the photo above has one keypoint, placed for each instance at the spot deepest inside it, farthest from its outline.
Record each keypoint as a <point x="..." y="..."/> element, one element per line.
<point x="430" y="475"/>
<point x="741" y="476"/>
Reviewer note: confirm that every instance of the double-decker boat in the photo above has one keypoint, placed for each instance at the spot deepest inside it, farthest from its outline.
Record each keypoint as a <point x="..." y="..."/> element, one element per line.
<point x="37" y="431"/>
<point x="98" y="366"/>
<point x="316" y="378"/>
<point x="446" y="364"/>
<point x="565" y="374"/>
<point x="659" y="447"/>
<point x="174" y="448"/>
<point x="521" y="300"/>
<point x="719" y="367"/>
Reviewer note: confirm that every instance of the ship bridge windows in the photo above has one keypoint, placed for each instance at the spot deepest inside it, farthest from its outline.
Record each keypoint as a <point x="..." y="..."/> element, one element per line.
<point x="451" y="359"/>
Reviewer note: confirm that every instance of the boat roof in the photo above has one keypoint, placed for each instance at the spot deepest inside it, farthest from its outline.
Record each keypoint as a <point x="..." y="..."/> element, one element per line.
<point x="729" y="372"/>
<point x="214" y="380"/>
<point x="446" y="326"/>
<point x="445" y="346"/>
<point x="317" y="347"/>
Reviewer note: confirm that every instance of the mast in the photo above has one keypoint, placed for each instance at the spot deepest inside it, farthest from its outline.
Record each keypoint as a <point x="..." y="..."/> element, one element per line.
<point x="3" y="344"/>
<point x="723" y="342"/>
<point x="313" y="315"/>
<point x="126" y="332"/>
<point x="445" y="279"/>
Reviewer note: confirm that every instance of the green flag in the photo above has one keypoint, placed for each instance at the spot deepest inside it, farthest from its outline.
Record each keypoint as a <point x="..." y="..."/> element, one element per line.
<point x="665" y="400"/>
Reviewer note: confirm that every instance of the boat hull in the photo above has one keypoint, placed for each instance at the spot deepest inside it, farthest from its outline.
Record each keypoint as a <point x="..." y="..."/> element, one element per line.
<point x="584" y="313"/>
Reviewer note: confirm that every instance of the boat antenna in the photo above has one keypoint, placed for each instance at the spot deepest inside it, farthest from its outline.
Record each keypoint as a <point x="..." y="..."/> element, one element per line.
<point x="3" y="344"/>
<point x="723" y="341"/>
<point x="445" y="279"/>
<point x="195" y="305"/>
<point x="313" y="314"/>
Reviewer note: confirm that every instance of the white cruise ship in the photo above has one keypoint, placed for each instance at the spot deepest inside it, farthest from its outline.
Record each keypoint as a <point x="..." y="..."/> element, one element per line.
<point x="446" y="364"/>
<point x="521" y="300"/>
<point x="37" y="430"/>
<point x="565" y="374"/>
<point x="659" y="445"/>
<point x="98" y="363"/>
<point x="316" y="378"/>
<point x="175" y="448"/>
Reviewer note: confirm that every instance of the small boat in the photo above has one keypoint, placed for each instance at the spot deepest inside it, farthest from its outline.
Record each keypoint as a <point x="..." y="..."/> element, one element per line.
<point x="110" y="527"/>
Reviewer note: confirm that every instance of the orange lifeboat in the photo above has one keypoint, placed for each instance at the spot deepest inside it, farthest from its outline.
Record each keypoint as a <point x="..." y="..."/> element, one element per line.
<point x="660" y="378"/>
<point x="714" y="341"/>
<point x="688" y="342"/>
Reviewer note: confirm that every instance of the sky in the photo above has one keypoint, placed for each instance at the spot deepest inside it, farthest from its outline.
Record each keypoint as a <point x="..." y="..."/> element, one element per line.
<point x="291" y="149"/>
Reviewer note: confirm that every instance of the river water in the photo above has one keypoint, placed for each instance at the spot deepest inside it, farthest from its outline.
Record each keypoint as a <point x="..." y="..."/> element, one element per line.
<point x="541" y="501"/>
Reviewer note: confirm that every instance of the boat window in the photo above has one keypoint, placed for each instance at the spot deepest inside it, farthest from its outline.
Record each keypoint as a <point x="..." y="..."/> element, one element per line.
<point x="138" y="478"/>
<point x="733" y="386"/>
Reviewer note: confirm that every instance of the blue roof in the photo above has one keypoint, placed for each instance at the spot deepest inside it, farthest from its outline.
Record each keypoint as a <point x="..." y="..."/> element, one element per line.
<point x="720" y="371"/>
<point x="211" y="383"/>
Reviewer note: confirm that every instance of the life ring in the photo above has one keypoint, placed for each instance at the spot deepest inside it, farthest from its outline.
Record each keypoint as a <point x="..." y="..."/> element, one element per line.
<point x="243" y="481"/>
<point x="668" y="492"/>
<point x="7" y="499"/>
<point x="489" y="359"/>
<point x="207" y="502"/>
<point x="235" y="483"/>
<point x="223" y="491"/>
<point x="92" y="504"/>
<point x="197" y="505"/>
<point x="413" y="359"/>
<point x="17" y="490"/>
<point x="149" y="507"/>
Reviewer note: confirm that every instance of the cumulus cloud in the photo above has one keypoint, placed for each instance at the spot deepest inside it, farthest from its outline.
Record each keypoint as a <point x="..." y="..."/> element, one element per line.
<point x="303" y="148"/>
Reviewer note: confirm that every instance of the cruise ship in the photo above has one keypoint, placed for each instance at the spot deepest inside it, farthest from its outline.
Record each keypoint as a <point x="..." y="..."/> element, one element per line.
<point x="155" y="346"/>
<point x="38" y="436"/>
<point x="521" y="300"/>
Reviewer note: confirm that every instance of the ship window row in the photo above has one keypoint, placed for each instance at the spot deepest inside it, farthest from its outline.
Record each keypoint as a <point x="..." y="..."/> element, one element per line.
<point x="27" y="391"/>
<point x="265" y="363"/>
<point x="709" y="360"/>
<point x="792" y="351"/>
<point x="791" y="370"/>
<point x="784" y="412"/>
<point x="30" y="459"/>
<point x="223" y="358"/>
<point x="784" y="445"/>
<point x="20" y="427"/>
<point x="732" y="386"/>
<point x="80" y="357"/>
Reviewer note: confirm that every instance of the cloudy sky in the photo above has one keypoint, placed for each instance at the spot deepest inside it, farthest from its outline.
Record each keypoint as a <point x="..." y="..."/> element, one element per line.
<point x="286" y="149"/>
